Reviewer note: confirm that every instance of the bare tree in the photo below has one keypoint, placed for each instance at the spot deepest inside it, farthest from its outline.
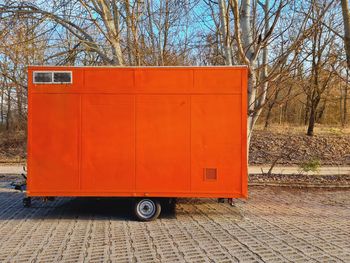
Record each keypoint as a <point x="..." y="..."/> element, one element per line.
<point x="253" y="45"/>
<point x="272" y="38"/>
<point x="322" y="56"/>
<point x="119" y="32"/>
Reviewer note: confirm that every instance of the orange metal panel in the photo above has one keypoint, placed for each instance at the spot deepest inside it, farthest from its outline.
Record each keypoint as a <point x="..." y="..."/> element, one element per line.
<point x="108" y="150"/>
<point x="53" y="139"/>
<point x="108" y="80"/>
<point x="163" y="80"/>
<point x="162" y="143"/>
<point x="217" y="80"/>
<point x="216" y="142"/>
<point x="139" y="132"/>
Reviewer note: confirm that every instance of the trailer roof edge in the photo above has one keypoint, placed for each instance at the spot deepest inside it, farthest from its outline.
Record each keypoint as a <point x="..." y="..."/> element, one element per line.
<point x="131" y="67"/>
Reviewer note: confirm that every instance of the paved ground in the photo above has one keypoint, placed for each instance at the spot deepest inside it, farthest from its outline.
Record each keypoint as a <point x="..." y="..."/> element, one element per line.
<point x="324" y="170"/>
<point x="11" y="169"/>
<point x="274" y="225"/>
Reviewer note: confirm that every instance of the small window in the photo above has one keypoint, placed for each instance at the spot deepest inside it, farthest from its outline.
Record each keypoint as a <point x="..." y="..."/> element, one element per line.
<point x="53" y="77"/>
<point x="42" y="77"/>
<point x="62" y="77"/>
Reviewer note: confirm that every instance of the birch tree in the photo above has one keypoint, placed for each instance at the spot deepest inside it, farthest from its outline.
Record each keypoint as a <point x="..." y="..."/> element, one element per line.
<point x="225" y="31"/>
<point x="253" y="41"/>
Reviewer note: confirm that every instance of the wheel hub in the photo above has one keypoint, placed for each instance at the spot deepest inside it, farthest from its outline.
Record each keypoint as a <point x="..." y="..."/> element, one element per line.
<point x="146" y="208"/>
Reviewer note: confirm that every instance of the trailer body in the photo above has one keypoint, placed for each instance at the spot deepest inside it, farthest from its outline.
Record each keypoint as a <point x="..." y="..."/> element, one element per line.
<point x="137" y="132"/>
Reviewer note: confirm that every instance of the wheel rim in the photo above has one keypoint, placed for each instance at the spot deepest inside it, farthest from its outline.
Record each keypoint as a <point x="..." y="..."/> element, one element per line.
<point x="146" y="208"/>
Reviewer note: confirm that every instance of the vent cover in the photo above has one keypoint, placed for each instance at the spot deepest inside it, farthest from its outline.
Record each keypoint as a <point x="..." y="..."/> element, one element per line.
<point x="210" y="174"/>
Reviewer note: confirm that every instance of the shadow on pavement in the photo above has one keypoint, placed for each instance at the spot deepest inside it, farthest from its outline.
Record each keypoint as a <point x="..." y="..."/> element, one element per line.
<point x="82" y="208"/>
<point x="86" y="208"/>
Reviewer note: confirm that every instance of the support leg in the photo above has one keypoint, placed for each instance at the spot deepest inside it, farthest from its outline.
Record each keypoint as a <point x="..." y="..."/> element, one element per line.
<point x="230" y="201"/>
<point x="27" y="202"/>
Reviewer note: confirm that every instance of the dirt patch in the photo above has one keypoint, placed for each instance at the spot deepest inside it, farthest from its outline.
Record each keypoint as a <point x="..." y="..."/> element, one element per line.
<point x="13" y="147"/>
<point x="295" y="149"/>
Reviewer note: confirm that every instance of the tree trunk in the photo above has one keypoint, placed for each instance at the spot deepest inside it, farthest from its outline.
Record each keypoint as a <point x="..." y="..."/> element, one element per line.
<point x="311" y="126"/>
<point x="128" y="34"/>
<point x="255" y="102"/>
<point x="307" y="110"/>
<point x="268" y="116"/>
<point x="321" y="111"/>
<point x="2" y="104"/>
<point x="166" y="30"/>
<point x="247" y="31"/>
<point x="286" y="104"/>
<point x="151" y="32"/>
<point x="346" y="19"/>
<point x="8" y="117"/>
<point x="225" y="32"/>
<point x="269" y="108"/>
<point x="112" y="31"/>
<point x="344" y="119"/>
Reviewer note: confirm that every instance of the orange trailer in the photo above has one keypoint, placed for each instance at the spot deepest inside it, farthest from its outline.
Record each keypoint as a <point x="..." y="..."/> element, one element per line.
<point x="149" y="133"/>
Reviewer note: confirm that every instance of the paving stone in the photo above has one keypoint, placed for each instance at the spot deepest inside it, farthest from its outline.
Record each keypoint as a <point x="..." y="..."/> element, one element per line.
<point x="273" y="225"/>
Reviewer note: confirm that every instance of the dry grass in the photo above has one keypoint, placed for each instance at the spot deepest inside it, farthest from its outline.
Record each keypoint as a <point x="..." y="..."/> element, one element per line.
<point x="12" y="146"/>
<point x="291" y="145"/>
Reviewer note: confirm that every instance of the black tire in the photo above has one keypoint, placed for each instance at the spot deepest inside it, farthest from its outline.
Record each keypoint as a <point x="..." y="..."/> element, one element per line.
<point x="146" y="209"/>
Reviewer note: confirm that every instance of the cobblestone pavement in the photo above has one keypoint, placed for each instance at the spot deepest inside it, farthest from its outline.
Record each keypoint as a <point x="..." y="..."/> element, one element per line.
<point x="274" y="225"/>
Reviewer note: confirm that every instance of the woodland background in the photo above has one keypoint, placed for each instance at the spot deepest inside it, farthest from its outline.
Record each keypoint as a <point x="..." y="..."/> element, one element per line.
<point x="295" y="50"/>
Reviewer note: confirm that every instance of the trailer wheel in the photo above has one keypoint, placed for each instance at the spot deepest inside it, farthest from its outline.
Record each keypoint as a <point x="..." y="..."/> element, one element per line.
<point x="147" y="209"/>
